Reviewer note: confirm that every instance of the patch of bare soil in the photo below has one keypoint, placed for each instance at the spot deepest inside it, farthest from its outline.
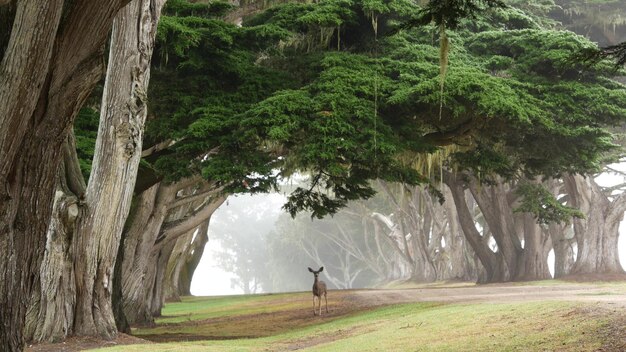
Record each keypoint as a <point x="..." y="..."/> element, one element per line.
<point x="341" y="303"/>
<point x="73" y="344"/>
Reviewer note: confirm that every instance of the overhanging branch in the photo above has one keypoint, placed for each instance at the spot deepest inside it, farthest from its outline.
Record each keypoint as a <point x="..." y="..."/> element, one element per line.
<point x="443" y="138"/>
<point x="204" y="192"/>
<point x="176" y="228"/>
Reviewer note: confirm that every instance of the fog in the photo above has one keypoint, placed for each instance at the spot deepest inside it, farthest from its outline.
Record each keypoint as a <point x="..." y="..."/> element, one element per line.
<point x="251" y="219"/>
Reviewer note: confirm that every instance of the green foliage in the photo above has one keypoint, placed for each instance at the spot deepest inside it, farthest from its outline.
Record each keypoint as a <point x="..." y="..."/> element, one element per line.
<point x="314" y="88"/>
<point x="329" y="13"/>
<point x="449" y="14"/>
<point x="537" y="200"/>
<point x="86" y="132"/>
<point x="183" y="8"/>
<point x="547" y="54"/>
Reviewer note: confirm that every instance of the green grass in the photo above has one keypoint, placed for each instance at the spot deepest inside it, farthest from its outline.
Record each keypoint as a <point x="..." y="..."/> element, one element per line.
<point x="534" y="326"/>
<point x="482" y="327"/>
<point x="200" y="308"/>
<point x="604" y="293"/>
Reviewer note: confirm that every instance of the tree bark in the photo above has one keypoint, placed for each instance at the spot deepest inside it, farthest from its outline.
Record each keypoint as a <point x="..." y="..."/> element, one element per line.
<point x="138" y="241"/>
<point x="51" y="312"/>
<point x="598" y="233"/>
<point x="157" y="296"/>
<point x="175" y="265"/>
<point x="115" y="166"/>
<point x="154" y="226"/>
<point x="562" y="236"/>
<point x="563" y="241"/>
<point x="191" y="264"/>
<point x="183" y="262"/>
<point x="523" y="263"/>
<point x="534" y="263"/>
<point x="493" y="204"/>
<point x="464" y="265"/>
<point x="415" y="224"/>
<point x="47" y="72"/>
<point x="493" y="263"/>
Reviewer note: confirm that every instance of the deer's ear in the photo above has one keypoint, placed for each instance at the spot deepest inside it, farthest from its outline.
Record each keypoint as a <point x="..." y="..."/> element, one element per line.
<point x="321" y="269"/>
<point x="311" y="270"/>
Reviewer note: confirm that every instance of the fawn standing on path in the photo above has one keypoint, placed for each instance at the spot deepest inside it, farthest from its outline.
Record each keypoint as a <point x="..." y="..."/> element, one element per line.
<point x="319" y="289"/>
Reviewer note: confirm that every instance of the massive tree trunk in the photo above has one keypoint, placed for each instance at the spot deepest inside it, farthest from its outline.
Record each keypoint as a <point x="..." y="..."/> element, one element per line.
<point x="492" y="262"/>
<point x="150" y="213"/>
<point x="80" y="303"/>
<point x="563" y="242"/>
<point x="537" y="245"/>
<point x="47" y="72"/>
<point x="497" y="212"/>
<point x="562" y="235"/>
<point x="185" y="276"/>
<point x="183" y="262"/>
<point x="598" y="233"/>
<point x="51" y="312"/>
<point x="160" y="219"/>
<point x="410" y="231"/>
<point x="115" y="166"/>
<point x="157" y="297"/>
<point x="175" y="266"/>
<point x="164" y="245"/>
<point x="527" y="262"/>
<point x="419" y="217"/>
<point x="463" y="262"/>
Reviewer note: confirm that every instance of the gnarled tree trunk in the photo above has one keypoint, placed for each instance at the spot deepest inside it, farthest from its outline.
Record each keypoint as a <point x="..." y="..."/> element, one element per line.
<point x="115" y="166"/>
<point x="51" y="312"/>
<point x="463" y="262"/>
<point x="138" y="241"/>
<point x="598" y="233"/>
<point x="89" y="248"/>
<point x="183" y="262"/>
<point x="492" y="262"/>
<point x="527" y="262"/>
<point x="47" y="72"/>
<point x="563" y="242"/>
<point x="160" y="219"/>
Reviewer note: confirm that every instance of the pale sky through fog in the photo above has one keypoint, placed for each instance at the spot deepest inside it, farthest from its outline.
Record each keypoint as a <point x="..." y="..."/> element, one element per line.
<point x="209" y="280"/>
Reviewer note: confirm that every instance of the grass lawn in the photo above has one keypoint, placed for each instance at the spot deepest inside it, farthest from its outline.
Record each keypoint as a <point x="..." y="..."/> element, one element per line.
<point x="284" y="322"/>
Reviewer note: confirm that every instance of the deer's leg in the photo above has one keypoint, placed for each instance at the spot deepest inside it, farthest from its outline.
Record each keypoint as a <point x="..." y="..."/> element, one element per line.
<point x="326" y="300"/>
<point x="319" y="304"/>
<point x="314" y="312"/>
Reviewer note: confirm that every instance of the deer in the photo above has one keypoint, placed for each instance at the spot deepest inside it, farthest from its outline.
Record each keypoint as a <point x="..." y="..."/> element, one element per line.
<point x="319" y="289"/>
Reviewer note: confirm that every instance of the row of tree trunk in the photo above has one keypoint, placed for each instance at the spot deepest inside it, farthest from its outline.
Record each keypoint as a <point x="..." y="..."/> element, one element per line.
<point x="586" y="245"/>
<point x="59" y="235"/>
<point x="427" y="235"/>
<point x="476" y="234"/>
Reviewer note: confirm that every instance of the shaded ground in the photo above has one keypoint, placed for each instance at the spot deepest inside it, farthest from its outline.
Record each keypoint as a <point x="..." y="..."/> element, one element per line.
<point x="84" y="343"/>
<point x="272" y="314"/>
<point x="343" y="303"/>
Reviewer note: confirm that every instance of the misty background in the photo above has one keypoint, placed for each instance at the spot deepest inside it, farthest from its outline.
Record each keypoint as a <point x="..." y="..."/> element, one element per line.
<point x="256" y="247"/>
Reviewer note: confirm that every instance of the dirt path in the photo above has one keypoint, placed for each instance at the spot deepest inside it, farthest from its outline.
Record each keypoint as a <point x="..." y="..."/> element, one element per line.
<point x="612" y="296"/>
